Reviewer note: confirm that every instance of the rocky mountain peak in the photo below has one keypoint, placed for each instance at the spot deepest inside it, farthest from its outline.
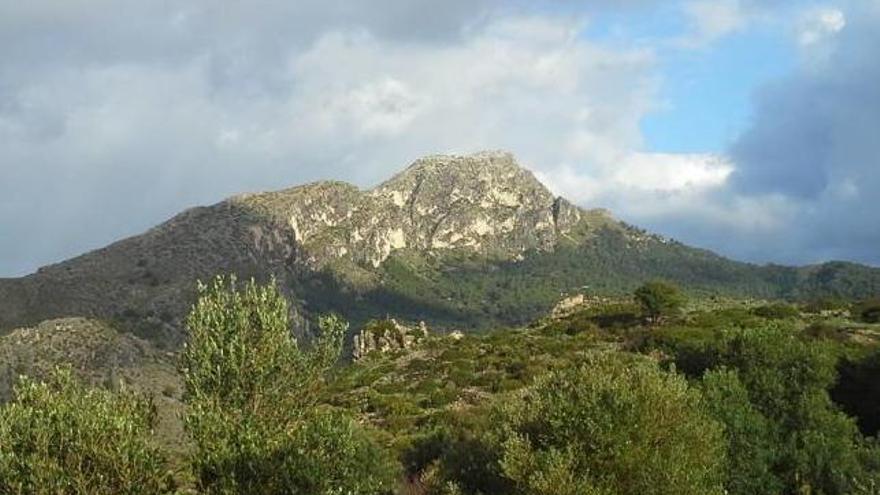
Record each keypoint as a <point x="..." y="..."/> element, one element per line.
<point x="484" y="202"/>
<point x="488" y="176"/>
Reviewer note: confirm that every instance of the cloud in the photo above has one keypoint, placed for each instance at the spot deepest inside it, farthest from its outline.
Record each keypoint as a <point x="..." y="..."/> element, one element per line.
<point x="813" y="141"/>
<point x="711" y="20"/>
<point x="818" y="23"/>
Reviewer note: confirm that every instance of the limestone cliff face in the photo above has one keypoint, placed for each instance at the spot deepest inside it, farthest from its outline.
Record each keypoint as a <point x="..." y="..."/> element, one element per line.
<point x="484" y="203"/>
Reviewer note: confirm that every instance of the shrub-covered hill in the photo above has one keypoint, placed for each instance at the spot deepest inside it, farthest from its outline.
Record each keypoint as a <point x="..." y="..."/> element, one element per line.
<point x="431" y="403"/>
<point x="409" y="391"/>
<point x="470" y="242"/>
<point x="99" y="355"/>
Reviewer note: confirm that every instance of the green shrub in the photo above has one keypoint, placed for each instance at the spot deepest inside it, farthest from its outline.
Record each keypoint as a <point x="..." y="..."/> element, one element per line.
<point x="868" y="311"/>
<point x="825" y="304"/>
<point x="858" y="391"/>
<point x="777" y="311"/>
<point x="60" y="437"/>
<point x="252" y="395"/>
<point x="751" y="451"/>
<point x="787" y="380"/>
<point x="825" y="330"/>
<point x="616" y="424"/>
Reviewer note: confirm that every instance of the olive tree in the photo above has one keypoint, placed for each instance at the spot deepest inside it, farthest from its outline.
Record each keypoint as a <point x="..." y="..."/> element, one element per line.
<point x="252" y="395"/>
<point x="785" y="378"/>
<point x="61" y="437"/>
<point x="659" y="299"/>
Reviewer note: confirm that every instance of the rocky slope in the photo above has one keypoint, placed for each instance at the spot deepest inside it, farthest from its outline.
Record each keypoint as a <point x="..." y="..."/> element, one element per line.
<point x="463" y="241"/>
<point x="100" y="355"/>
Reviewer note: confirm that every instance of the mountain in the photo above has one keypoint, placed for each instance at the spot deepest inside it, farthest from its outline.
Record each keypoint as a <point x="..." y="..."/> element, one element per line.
<point x="456" y="241"/>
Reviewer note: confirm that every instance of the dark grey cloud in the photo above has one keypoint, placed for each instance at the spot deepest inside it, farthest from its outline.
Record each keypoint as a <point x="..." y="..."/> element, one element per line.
<point x="815" y="141"/>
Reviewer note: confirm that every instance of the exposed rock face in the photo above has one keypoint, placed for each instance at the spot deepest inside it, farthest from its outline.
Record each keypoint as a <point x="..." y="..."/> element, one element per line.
<point x="387" y="336"/>
<point x="577" y="302"/>
<point x="484" y="202"/>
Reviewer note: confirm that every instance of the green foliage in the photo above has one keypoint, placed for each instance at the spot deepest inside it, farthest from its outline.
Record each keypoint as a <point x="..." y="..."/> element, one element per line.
<point x="615" y="424"/>
<point x="458" y="288"/>
<point x="659" y="299"/>
<point x="60" y="437"/>
<point x="787" y="380"/>
<point x="818" y="305"/>
<point x="777" y="311"/>
<point x="252" y="395"/>
<point x="868" y="311"/>
<point x="751" y="452"/>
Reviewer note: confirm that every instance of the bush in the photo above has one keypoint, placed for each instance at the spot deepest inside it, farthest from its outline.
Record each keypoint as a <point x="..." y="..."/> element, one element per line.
<point x="820" y="305"/>
<point x="60" y="437"/>
<point x="751" y="452"/>
<point x="787" y="380"/>
<point x="252" y="395"/>
<point x="777" y="311"/>
<point x="659" y="299"/>
<point x="617" y="424"/>
<point x="868" y="311"/>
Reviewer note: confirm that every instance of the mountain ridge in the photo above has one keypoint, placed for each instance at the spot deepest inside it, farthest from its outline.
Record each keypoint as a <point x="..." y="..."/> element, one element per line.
<point x="456" y="240"/>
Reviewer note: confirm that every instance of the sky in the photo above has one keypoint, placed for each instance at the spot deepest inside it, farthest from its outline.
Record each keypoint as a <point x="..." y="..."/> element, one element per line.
<point x="748" y="127"/>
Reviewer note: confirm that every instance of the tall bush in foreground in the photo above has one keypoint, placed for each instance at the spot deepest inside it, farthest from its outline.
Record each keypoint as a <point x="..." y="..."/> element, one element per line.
<point x="751" y="449"/>
<point x="61" y="437"/>
<point x="816" y="448"/>
<point x="617" y="424"/>
<point x="253" y="412"/>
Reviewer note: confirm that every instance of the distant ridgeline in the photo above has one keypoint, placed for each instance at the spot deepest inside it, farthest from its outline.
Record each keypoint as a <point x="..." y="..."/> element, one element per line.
<point x="456" y="241"/>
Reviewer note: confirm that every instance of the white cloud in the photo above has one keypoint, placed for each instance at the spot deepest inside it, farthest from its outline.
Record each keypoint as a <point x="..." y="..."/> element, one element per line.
<point x="818" y="24"/>
<point x="648" y="186"/>
<point x="712" y="20"/>
<point x="672" y="172"/>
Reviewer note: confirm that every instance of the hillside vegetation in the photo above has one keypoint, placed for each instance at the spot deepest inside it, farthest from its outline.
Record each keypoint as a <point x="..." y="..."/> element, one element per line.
<point x="606" y="395"/>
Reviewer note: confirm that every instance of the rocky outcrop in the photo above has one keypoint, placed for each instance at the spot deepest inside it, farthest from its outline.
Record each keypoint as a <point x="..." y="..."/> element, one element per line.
<point x="572" y="304"/>
<point x="484" y="203"/>
<point x="94" y="350"/>
<point x="387" y="336"/>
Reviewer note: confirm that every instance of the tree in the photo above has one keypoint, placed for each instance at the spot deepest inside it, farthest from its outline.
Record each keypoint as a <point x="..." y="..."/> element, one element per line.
<point x="59" y="437"/>
<point x="253" y="411"/>
<point x="786" y="379"/>
<point x="659" y="299"/>
<point x="615" y="425"/>
<point x="751" y="450"/>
